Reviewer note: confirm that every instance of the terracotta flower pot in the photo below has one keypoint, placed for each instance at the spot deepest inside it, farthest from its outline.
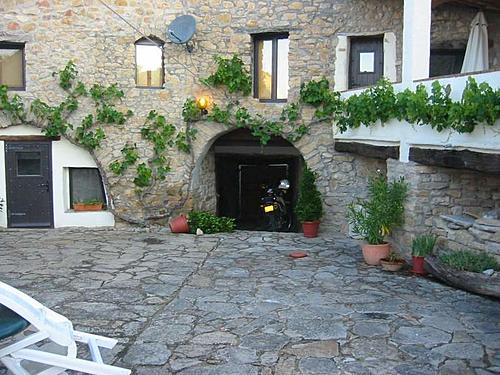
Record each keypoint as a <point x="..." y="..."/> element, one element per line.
<point x="373" y="253"/>
<point x="392" y="266"/>
<point x="418" y="265"/>
<point x="179" y="224"/>
<point x="310" y="228"/>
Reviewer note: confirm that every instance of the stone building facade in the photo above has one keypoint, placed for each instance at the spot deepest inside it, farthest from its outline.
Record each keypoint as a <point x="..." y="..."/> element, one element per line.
<point x="449" y="203"/>
<point x="102" y="46"/>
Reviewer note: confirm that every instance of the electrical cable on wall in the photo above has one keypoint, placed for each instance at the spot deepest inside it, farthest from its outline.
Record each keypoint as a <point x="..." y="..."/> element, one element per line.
<point x="136" y="29"/>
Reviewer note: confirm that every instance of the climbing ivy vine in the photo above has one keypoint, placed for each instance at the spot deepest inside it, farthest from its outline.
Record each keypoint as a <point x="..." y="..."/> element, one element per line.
<point x="232" y="74"/>
<point x="54" y="120"/>
<point x="162" y="136"/>
<point x="480" y="104"/>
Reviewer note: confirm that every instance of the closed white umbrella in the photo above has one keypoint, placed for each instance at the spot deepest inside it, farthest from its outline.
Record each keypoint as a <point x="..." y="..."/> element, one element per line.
<point x="476" y="54"/>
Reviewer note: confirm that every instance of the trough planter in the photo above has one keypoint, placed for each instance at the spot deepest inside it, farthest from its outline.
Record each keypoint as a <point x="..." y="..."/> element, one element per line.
<point x="470" y="281"/>
<point x="87" y="207"/>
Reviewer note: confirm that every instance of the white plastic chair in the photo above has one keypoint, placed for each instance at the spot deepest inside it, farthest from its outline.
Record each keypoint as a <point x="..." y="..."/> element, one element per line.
<point x="51" y="326"/>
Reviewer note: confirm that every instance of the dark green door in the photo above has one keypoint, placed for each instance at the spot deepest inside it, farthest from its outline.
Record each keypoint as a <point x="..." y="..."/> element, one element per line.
<point x="29" y="184"/>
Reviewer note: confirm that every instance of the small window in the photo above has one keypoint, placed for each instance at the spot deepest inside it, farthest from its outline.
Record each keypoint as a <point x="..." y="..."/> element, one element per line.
<point x="28" y="164"/>
<point x="149" y="63"/>
<point x="366" y="61"/>
<point x="271" y="67"/>
<point x="12" y="65"/>
<point x="85" y="184"/>
<point x="446" y="61"/>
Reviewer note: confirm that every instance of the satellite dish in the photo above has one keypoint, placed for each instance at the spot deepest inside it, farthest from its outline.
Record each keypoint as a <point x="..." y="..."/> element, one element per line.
<point x="181" y="30"/>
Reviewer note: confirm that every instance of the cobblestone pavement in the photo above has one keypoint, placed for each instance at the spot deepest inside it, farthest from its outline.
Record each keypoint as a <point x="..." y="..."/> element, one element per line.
<point x="237" y="304"/>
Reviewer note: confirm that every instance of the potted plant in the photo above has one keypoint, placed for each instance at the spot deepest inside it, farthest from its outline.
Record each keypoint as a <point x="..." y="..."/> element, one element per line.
<point x="393" y="262"/>
<point x="88" y="205"/>
<point x="309" y="207"/>
<point x="374" y="218"/>
<point x="421" y="247"/>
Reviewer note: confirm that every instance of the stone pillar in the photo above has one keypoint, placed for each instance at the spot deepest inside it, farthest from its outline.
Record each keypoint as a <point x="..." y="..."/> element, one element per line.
<point x="417" y="205"/>
<point x="416" y="40"/>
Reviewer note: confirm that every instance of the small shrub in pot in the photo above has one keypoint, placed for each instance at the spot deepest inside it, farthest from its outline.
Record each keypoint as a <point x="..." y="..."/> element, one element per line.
<point x="309" y="207"/>
<point x="375" y="217"/>
<point x="421" y="247"/>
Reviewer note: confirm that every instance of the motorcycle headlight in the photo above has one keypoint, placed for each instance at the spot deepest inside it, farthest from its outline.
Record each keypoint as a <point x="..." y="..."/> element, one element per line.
<point x="284" y="184"/>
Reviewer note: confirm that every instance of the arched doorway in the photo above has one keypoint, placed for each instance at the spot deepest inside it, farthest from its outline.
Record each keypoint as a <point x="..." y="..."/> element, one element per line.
<point x="243" y="167"/>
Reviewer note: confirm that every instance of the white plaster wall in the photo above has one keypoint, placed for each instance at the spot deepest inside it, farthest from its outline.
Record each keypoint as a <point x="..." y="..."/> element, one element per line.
<point x="64" y="156"/>
<point x="483" y="139"/>
<point x="416" y="40"/>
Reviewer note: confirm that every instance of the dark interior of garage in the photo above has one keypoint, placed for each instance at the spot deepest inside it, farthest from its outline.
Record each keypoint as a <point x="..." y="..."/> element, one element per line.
<point x="244" y="168"/>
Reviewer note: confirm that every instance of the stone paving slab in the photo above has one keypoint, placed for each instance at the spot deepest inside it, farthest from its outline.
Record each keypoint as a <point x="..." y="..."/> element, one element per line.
<point x="237" y="304"/>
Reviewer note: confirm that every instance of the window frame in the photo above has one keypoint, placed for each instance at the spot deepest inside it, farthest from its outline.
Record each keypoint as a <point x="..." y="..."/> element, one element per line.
<point x="22" y="47"/>
<point x="274" y="37"/>
<point x="70" y="187"/>
<point x="146" y="42"/>
<point x="366" y="38"/>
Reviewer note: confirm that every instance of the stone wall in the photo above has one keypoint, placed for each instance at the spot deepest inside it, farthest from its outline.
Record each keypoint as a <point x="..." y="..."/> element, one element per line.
<point x="348" y="178"/>
<point x="102" y="46"/>
<point x="436" y="191"/>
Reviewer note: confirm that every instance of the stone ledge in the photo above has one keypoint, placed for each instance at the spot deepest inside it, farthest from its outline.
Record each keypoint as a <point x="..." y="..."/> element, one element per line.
<point x="461" y="221"/>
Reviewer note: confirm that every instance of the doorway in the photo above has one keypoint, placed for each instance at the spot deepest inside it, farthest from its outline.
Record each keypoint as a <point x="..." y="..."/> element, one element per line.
<point x="29" y="184"/>
<point x="243" y="168"/>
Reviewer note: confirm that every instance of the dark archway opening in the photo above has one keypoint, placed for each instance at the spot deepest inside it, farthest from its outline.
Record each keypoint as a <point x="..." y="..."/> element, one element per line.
<point x="243" y="167"/>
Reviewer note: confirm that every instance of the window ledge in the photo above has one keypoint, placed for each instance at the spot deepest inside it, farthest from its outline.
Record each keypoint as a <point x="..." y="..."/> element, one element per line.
<point x="458" y="75"/>
<point x="150" y="87"/>
<point x="272" y="101"/>
<point x="16" y="88"/>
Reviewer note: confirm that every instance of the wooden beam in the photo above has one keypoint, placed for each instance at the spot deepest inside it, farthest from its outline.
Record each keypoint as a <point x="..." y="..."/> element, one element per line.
<point x="436" y="3"/>
<point x="28" y="138"/>
<point x="481" y="4"/>
<point x="371" y="151"/>
<point x="477" y="4"/>
<point x="476" y="161"/>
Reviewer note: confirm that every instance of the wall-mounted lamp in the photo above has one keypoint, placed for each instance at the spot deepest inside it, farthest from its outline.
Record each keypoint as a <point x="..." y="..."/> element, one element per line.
<point x="203" y="102"/>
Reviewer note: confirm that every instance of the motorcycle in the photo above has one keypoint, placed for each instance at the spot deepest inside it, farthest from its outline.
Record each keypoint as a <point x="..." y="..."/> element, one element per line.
<point x="277" y="216"/>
